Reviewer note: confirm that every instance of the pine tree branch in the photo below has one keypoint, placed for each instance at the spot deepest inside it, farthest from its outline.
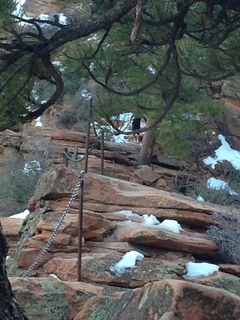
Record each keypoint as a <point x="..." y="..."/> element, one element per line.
<point x="58" y="92"/>
<point x="133" y="92"/>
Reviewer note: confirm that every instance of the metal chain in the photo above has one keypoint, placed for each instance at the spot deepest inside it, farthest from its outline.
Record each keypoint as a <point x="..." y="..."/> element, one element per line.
<point x="56" y="230"/>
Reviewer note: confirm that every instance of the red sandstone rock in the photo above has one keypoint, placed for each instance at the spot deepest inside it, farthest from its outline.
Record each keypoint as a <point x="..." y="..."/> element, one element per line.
<point x="161" y="183"/>
<point x="28" y="256"/>
<point x="59" y="240"/>
<point x="159" y="238"/>
<point x="230" y="268"/>
<point x="11" y="227"/>
<point x="146" y="174"/>
<point x="166" y="300"/>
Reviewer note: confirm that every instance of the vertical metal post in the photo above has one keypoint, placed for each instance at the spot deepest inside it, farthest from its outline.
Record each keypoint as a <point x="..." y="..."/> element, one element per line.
<point x="80" y="227"/>
<point x="88" y="137"/>
<point x="75" y="154"/>
<point x="102" y="152"/>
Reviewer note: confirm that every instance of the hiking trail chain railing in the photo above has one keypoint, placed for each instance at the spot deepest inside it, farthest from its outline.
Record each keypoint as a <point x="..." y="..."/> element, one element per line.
<point x="80" y="182"/>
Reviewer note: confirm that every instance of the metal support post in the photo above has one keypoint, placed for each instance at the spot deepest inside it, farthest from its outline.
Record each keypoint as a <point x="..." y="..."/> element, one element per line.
<point x="88" y="137"/>
<point x="102" y="152"/>
<point x="80" y="227"/>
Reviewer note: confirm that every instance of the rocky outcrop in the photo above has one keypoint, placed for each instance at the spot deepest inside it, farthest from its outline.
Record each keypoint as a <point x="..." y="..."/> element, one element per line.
<point x="165" y="300"/>
<point x="11" y="227"/>
<point x="48" y="298"/>
<point x="227" y="92"/>
<point x="112" y="225"/>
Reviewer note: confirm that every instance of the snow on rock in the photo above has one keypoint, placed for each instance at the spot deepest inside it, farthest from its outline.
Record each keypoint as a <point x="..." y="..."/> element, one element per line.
<point x="129" y="214"/>
<point x="54" y="276"/>
<point x="21" y="215"/>
<point x="39" y="122"/>
<point x="127" y="261"/>
<point x="224" y="152"/>
<point x="171" y="225"/>
<point x="213" y="183"/>
<point x="200" y="269"/>
<point x="200" y="199"/>
<point x="150" y="220"/>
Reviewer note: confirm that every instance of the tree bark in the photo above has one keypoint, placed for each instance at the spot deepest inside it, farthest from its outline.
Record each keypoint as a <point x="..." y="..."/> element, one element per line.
<point x="147" y="145"/>
<point x="9" y="307"/>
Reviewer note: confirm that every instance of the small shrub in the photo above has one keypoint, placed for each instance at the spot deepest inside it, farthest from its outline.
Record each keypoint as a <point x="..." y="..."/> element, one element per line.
<point x="68" y="119"/>
<point x="227" y="237"/>
<point x="17" y="183"/>
<point x="76" y="117"/>
<point x="223" y="196"/>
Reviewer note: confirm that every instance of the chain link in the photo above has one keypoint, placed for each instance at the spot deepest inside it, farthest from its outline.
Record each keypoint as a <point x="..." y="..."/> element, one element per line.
<point x="56" y="230"/>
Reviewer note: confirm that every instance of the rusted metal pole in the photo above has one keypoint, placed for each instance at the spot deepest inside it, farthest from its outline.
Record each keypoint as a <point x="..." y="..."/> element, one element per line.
<point x="80" y="227"/>
<point x="102" y="152"/>
<point x="87" y="138"/>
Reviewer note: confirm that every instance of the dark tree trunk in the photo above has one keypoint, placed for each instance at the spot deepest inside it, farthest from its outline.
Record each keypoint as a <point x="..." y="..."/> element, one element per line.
<point x="9" y="307"/>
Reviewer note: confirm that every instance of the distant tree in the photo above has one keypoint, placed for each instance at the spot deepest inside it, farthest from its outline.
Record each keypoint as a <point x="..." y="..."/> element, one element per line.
<point x="136" y="50"/>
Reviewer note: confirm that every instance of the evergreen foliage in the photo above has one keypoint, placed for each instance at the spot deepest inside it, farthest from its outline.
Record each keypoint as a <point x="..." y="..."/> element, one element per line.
<point x="184" y="119"/>
<point x="6" y="9"/>
<point x="128" y="62"/>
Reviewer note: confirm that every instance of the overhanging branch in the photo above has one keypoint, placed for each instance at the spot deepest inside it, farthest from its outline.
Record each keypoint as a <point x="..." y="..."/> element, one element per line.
<point x="58" y="92"/>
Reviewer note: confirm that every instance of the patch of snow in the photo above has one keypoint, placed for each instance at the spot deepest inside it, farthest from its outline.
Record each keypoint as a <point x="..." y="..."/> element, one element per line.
<point x="32" y="166"/>
<point x="150" y="220"/>
<point x="167" y="224"/>
<point x="127" y="261"/>
<point x="39" y="122"/>
<point x="95" y="37"/>
<point x="60" y="65"/>
<point x="54" y="276"/>
<point x="171" y="225"/>
<point x="152" y="70"/>
<point x="62" y="18"/>
<point x="21" y="215"/>
<point x="19" y="7"/>
<point x="213" y="183"/>
<point x="87" y="95"/>
<point x="224" y="152"/>
<point x="43" y="16"/>
<point x="126" y="117"/>
<point x="200" y="199"/>
<point x="119" y="139"/>
<point x="201" y="269"/>
<point x="128" y="213"/>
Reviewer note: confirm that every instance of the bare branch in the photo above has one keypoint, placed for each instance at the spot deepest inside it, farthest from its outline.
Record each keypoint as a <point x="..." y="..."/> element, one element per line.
<point x="137" y="23"/>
